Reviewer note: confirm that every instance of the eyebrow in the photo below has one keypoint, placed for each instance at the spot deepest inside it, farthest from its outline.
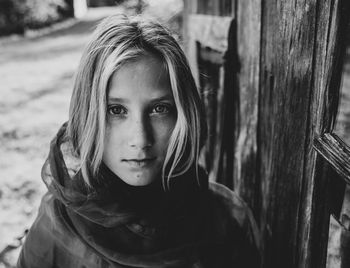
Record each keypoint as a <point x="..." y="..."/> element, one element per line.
<point x="167" y="97"/>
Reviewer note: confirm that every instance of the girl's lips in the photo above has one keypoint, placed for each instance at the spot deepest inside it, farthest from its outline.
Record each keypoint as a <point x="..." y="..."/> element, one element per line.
<point x="139" y="162"/>
<point x="139" y="159"/>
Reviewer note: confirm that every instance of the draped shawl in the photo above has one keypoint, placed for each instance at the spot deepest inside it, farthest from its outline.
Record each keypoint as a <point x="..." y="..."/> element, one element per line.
<point x="112" y="224"/>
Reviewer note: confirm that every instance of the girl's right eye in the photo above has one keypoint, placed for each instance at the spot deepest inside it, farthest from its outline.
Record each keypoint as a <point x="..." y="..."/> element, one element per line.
<point x="116" y="110"/>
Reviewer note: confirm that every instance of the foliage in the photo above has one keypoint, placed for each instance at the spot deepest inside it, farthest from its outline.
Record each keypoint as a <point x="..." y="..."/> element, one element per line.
<point x="18" y="15"/>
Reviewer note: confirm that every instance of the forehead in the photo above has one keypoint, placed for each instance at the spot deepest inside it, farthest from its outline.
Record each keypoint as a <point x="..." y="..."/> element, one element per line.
<point x="146" y="75"/>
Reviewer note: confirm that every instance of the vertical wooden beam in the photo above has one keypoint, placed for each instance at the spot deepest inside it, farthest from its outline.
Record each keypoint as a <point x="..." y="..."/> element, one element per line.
<point x="300" y="59"/>
<point x="246" y="181"/>
<point x="287" y="42"/>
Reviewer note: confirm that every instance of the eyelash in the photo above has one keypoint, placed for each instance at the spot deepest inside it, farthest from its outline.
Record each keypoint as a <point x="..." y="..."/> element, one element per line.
<point x="162" y="105"/>
<point x="112" y="107"/>
<point x="123" y="111"/>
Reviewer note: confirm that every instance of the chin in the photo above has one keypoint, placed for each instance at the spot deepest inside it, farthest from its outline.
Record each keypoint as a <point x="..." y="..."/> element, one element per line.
<point x="139" y="180"/>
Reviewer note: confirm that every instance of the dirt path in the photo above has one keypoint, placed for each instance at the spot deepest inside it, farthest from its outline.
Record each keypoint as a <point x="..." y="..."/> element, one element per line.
<point x="36" y="82"/>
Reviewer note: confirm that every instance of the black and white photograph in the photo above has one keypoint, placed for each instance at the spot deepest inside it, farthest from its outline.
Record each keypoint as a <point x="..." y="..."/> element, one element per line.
<point x="174" y="134"/>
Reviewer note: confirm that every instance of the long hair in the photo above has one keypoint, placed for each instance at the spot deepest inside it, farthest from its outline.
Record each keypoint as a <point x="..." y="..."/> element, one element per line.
<point x="117" y="40"/>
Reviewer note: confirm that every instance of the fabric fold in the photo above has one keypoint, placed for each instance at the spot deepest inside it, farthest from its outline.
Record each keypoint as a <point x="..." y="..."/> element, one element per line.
<point x="113" y="224"/>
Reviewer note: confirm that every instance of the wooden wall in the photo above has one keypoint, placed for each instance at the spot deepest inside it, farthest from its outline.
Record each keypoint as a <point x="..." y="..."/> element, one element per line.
<point x="270" y="89"/>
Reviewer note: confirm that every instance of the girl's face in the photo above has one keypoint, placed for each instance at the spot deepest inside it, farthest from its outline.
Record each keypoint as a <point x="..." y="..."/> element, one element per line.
<point x="141" y="116"/>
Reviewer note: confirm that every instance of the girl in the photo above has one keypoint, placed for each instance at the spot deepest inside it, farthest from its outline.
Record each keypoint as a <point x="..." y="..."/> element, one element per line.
<point x="124" y="185"/>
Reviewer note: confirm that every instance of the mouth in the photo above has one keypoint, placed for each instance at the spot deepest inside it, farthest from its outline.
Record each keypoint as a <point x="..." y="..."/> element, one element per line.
<point x="139" y="162"/>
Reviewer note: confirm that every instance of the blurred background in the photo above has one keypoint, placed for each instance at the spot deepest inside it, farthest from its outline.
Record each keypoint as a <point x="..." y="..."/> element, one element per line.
<point x="40" y="46"/>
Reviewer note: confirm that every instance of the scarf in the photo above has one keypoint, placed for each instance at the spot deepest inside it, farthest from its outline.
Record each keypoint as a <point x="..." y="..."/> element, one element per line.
<point x="130" y="225"/>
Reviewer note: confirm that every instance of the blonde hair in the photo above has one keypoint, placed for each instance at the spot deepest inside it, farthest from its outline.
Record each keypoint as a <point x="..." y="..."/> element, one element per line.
<point x="117" y="40"/>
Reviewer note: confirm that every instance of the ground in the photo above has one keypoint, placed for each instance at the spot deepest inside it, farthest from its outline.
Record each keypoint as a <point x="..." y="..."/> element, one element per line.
<point x="37" y="74"/>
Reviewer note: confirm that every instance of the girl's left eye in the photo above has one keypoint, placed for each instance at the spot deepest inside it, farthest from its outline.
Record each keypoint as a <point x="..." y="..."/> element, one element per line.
<point x="161" y="109"/>
<point x="116" y="110"/>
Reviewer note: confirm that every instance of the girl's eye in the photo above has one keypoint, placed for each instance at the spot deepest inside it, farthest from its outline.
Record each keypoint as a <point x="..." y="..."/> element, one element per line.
<point x="116" y="110"/>
<point x="161" y="109"/>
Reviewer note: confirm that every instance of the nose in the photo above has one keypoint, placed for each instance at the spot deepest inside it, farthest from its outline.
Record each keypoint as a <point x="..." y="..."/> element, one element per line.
<point x="141" y="134"/>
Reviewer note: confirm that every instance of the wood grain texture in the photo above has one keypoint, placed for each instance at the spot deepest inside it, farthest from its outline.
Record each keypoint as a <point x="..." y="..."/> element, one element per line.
<point x="336" y="152"/>
<point x="279" y="89"/>
<point x="246" y="94"/>
<point x="286" y="77"/>
<point x="300" y="60"/>
<point x="317" y="200"/>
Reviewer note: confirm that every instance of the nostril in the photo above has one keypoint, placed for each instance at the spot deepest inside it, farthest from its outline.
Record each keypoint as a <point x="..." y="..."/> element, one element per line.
<point x="140" y="132"/>
<point x="141" y="140"/>
<point x="133" y="144"/>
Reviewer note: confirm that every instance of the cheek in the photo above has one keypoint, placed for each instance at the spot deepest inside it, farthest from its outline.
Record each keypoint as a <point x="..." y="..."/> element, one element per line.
<point x="113" y="139"/>
<point x="163" y="130"/>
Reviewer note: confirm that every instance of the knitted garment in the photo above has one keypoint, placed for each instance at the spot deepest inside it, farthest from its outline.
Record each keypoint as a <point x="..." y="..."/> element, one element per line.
<point x="113" y="224"/>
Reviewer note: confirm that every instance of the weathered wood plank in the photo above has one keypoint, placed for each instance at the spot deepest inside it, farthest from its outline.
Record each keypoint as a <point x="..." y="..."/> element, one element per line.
<point x="336" y="152"/>
<point x="317" y="201"/>
<point x="245" y="101"/>
<point x="298" y="76"/>
<point x="286" y="76"/>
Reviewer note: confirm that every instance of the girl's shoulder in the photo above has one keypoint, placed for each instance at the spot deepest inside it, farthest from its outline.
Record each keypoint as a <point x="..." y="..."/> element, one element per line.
<point x="230" y="208"/>
<point x="229" y="200"/>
